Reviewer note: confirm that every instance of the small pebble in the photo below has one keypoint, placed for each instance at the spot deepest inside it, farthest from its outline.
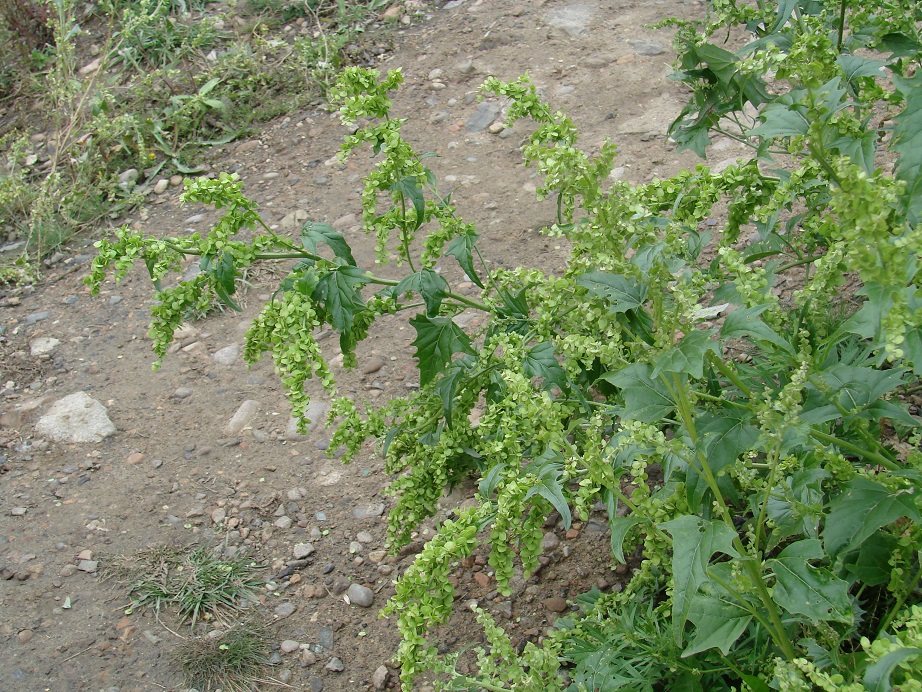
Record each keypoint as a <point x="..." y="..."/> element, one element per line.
<point x="290" y="646"/>
<point x="335" y="665"/>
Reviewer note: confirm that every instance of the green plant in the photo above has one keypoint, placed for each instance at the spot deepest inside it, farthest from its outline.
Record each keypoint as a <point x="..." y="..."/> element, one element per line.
<point x="199" y="584"/>
<point x="233" y="660"/>
<point x="775" y="497"/>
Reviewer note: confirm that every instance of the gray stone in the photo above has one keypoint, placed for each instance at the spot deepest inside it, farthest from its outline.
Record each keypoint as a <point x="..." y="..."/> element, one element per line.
<point x="161" y="186"/>
<point x="290" y="646"/>
<point x="379" y="679"/>
<point x="316" y="683"/>
<point x="302" y="550"/>
<point x="364" y="537"/>
<point x="549" y="542"/>
<point x="294" y="219"/>
<point x="648" y="48"/>
<point x="573" y="19"/>
<point x="284" y="610"/>
<point x="36" y="317"/>
<point x="283" y="523"/>
<point x="76" y="418"/>
<point x="368" y="511"/>
<point x="88" y="566"/>
<point x="325" y="637"/>
<point x="372" y="365"/>
<point x="129" y="177"/>
<point x="43" y="345"/>
<point x="360" y="595"/>
<point x="227" y="355"/>
<point x="316" y="415"/>
<point x="18" y="511"/>
<point x="483" y="118"/>
<point x="244" y="414"/>
<point x="181" y="393"/>
<point x="336" y="665"/>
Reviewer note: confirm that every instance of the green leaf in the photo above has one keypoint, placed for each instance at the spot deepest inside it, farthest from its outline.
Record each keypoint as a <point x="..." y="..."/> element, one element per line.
<point x="899" y="45"/>
<point x="540" y="362"/>
<point x="745" y="321"/>
<point x="621" y="293"/>
<point x="547" y="468"/>
<point x="872" y="564"/>
<point x="802" y="589"/>
<point x="877" y="677"/>
<point x="462" y="249"/>
<point x="619" y="528"/>
<point x="688" y="355"/>
<point x="313" y="233"/>
<point x="430" y="286"/>
<point x="448" y="384"/>
<point x="694" y="541"/>
<point x="645" y="399"/>
<point x="780" y="119"/>
<point x="856" y="514"/>
<point x="437" y="340"/>
<point x="407" y="188"/>
<point x="855" y="66"/>
<point x="489" y="482"/>
<point x="907" y="142"/>
<point x="225" y="275"/>
<point x="338" y="293"/>
<point x="719" y="621"/>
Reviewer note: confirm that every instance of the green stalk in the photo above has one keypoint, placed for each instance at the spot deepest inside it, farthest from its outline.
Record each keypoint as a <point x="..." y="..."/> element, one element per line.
<point x="729" y="373"/>
<point x="913" y="583"/>
<point x="776" y="630"/>
<point x="873" y="457"/>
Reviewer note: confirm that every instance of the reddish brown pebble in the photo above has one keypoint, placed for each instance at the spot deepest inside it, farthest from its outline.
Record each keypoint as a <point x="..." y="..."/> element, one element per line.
<point x="25" y="636"/>
<point x="481" y="578"/>
<point x="555" y="604"/>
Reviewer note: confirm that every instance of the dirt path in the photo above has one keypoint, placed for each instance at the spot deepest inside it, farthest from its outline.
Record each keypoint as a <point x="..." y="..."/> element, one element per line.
<point x="174" y="472"/>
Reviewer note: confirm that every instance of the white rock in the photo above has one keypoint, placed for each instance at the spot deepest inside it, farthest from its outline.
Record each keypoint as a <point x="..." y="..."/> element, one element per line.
<point x="242" y="417"/>
<point x="161" y="186"/>
<point x="290" y="645"/>
<point x="302" y="550"/>
<point x="227" y="355"/>
<point x="76" y="418"/>
<point x="42" y="345"/>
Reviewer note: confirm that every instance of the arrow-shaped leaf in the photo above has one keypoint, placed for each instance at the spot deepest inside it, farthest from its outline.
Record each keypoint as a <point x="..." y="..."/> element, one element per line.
<point x="719" y="622"/>
<point x="430" y="286"/>
<point x="803" y="589"/>
<point x="437" y="340"/>
<point x="338" y="293"/>
<point x="645" y="399"/>
<point x="621" y="293"/>
<point x="313" y="233"/>
<point x="694" y="541"/>
<point x="540" y="362"/>
<point x="865" y="506"/>
<point x="688" y="355"/>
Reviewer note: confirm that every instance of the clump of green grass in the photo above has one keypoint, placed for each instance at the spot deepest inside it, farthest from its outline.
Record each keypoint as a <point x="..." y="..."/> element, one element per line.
<point x="232" y="661"/>
<point x="196" y="583"/>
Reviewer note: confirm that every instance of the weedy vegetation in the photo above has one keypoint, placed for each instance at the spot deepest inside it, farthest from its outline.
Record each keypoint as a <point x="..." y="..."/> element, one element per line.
<point x="754" y="446"/>
<point x="101" y="100"/>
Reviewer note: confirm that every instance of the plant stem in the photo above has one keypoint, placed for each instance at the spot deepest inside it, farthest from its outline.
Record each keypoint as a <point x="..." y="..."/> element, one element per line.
<point x="913" y="583"/>
<point x="841" y="25"/>
<point x="728" y="372"/>
<point x="873" y="457"/>
<point x="752" y="564"/>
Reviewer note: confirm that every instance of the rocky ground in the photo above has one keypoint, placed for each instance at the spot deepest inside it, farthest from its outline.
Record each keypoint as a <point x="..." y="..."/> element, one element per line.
<point x="203" y="451"/>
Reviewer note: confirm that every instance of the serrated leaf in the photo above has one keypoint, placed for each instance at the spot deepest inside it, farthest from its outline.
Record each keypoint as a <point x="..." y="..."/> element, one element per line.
<point x="688" y="355"/>
<point x="539" y="361"/>
<point x="225" y="276"/>
<point x="621" y="293"/>
<point x="803" y="589"/>
<point x="719" y="621"/>
<point x="907" y="142"/>
<point x="462" y="249"/>
<point x="855" y="66"/>
<point x="338" y="293"/>
<point x="863" y="508"/>
<point x="619" y="528"/>
<point x="430" y="286"/>
<point x="438" y="339"/>
<point x="645" y="399"/>
<point x="745" y="322"/>
<point x="313" y="233"/>
<point x="409" y="189"/>
<point x="781" y="119"/>
<point x="548" y="470"/>
<point x="694" y="542"/>
<point x="899" y="45"/>
<point x="448" y="384"/>
<point x="877" y="676"/>
<point x="489" y="482"/>
<point x="872" y="564"/>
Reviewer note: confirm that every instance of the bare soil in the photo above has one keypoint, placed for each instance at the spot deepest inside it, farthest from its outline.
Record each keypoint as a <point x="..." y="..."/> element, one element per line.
<point x="173" y="475"/>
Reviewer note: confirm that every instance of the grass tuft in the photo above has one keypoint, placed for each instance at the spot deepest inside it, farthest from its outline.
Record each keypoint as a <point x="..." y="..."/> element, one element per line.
<point x="232" y="661"/>
<point x="195" y="582"/>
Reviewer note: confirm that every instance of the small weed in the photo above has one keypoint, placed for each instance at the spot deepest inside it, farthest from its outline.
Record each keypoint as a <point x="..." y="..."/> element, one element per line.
<point x="232" y="661"/>
<point x="196" y="582"/>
